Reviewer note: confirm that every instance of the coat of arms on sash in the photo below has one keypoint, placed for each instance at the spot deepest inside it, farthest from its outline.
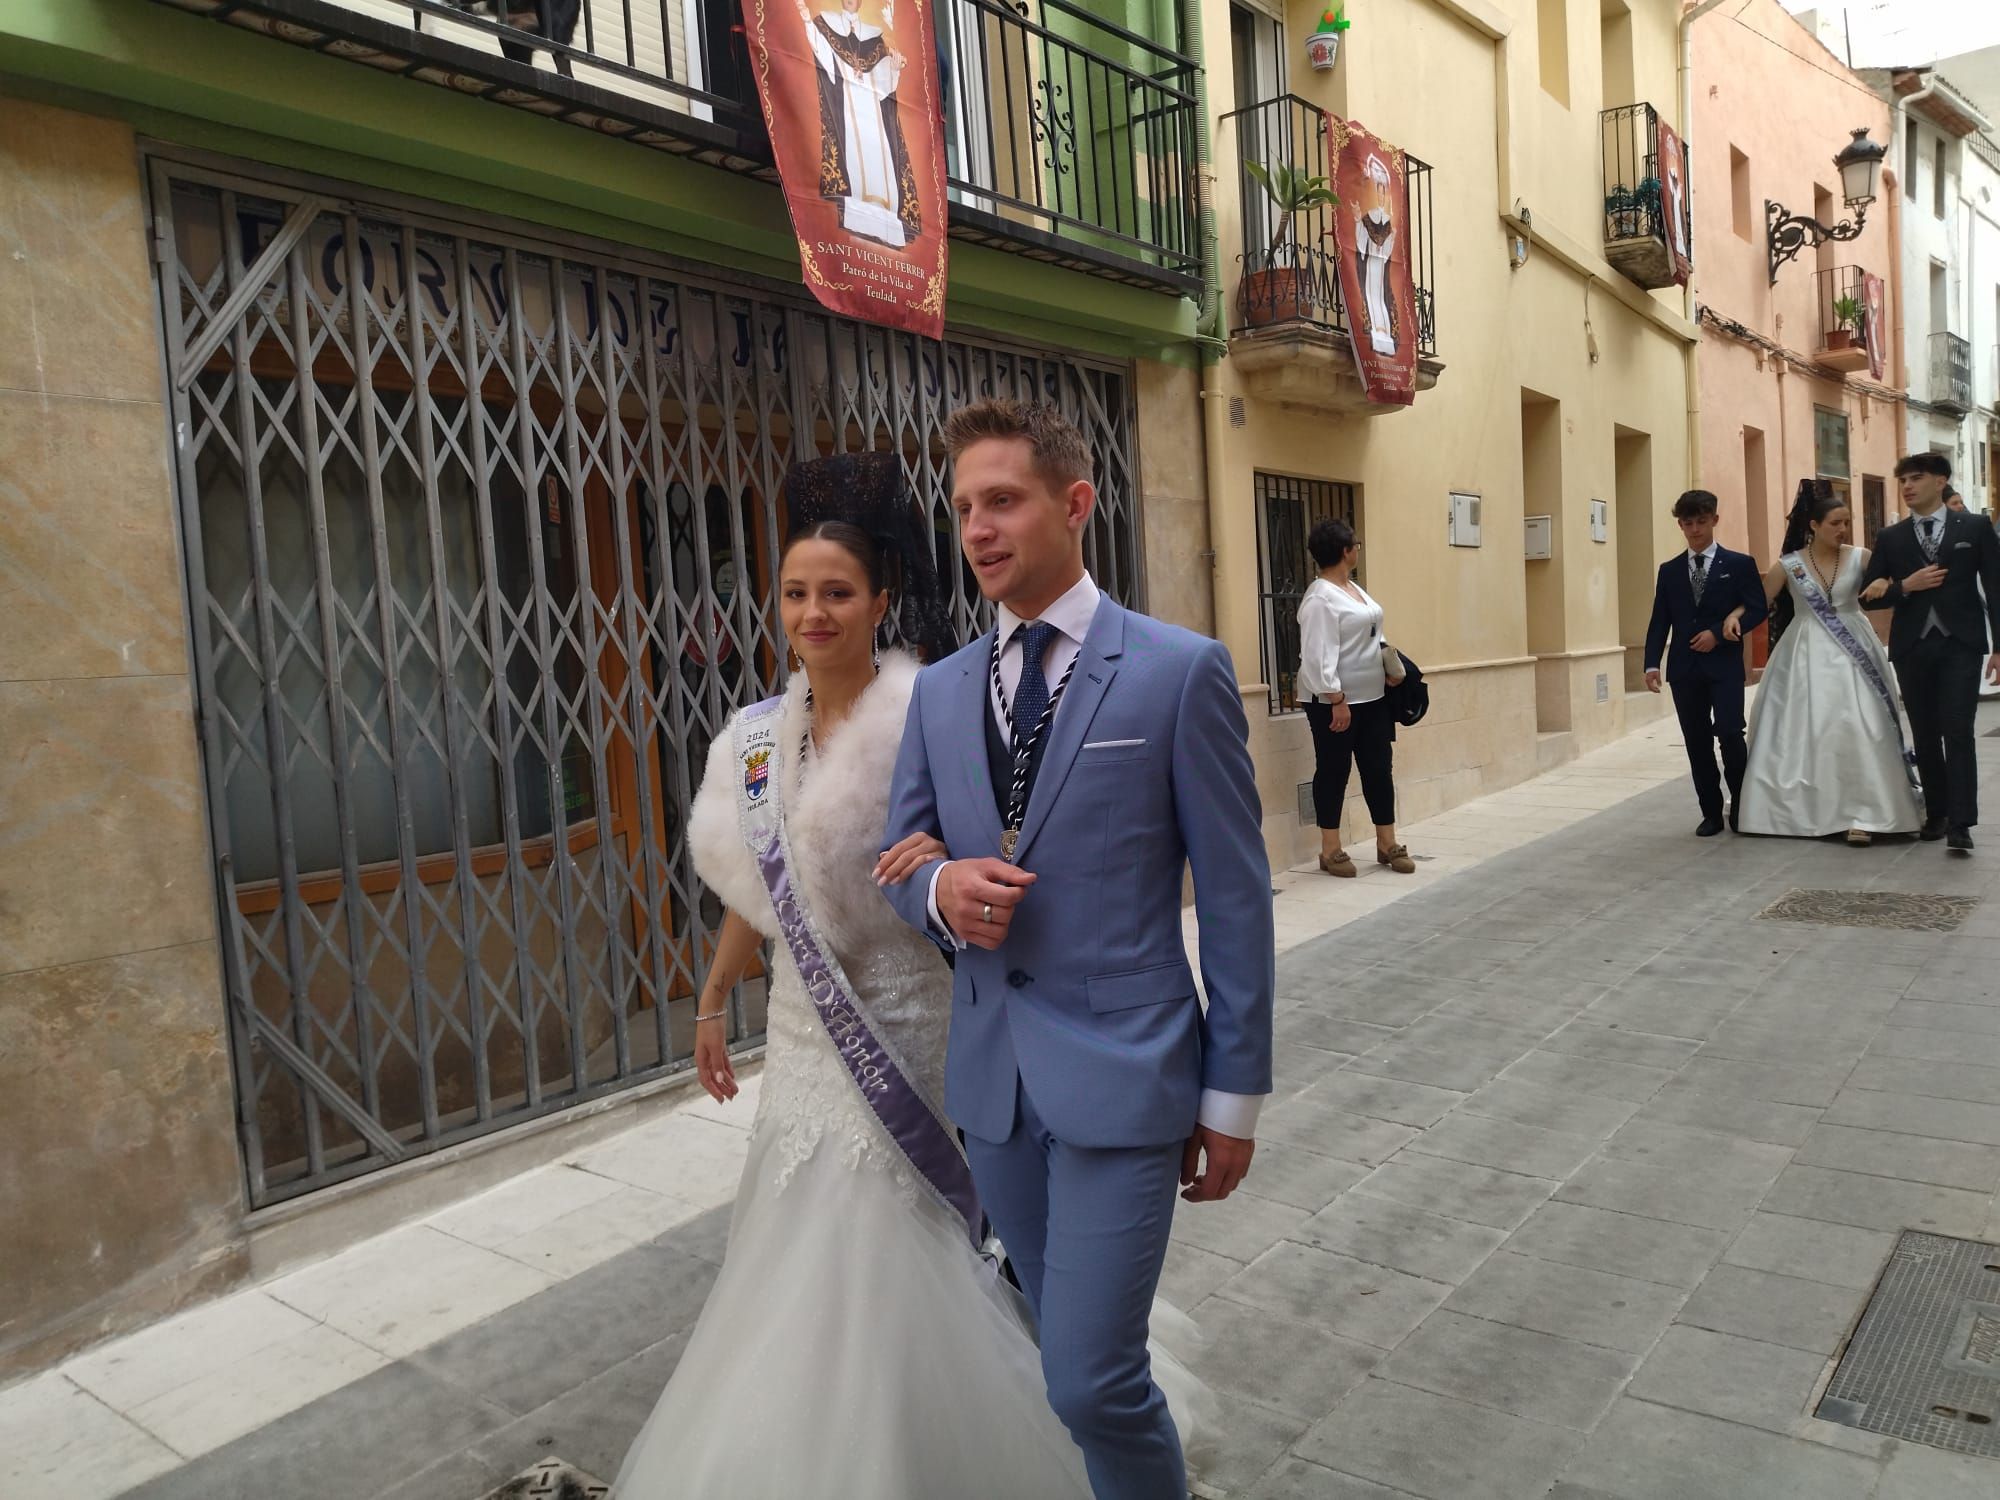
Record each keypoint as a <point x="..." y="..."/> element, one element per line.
<point x="756" y="774"/>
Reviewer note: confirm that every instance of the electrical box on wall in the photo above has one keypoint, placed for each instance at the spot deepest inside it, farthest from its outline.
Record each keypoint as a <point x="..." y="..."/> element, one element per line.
<point x="1538" y="538"/>
<point x="1600" y="521"/>
<point x="1463" y="530"/>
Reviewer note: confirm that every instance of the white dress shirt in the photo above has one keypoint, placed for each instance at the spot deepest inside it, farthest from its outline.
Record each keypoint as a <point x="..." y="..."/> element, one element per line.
<point x="1231" y="1114"/>
<point x="1340" y="644"/>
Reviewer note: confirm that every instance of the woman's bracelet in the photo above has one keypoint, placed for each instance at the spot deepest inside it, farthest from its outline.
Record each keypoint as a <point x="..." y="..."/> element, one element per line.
<point x="714" y="1015"/>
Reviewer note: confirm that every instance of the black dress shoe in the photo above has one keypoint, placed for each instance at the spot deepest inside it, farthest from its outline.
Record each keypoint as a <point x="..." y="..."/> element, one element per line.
<point x="1959" y="839"/>
<point x="1710" y="827"/>
<point x="1932" y="831"/>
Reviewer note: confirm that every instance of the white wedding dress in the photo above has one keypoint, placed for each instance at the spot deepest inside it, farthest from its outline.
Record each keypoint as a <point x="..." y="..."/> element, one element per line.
<point x="855" y="1344"/>
<point x="1826" y="753"/>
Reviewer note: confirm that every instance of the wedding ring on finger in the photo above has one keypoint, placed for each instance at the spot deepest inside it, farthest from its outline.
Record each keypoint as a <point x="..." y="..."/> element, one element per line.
<point x="986" y="912"/>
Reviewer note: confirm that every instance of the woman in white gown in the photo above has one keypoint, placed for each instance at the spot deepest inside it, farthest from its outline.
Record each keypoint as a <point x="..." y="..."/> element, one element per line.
<point x="1827" y="739"/>
<point x="855" y="1344"/>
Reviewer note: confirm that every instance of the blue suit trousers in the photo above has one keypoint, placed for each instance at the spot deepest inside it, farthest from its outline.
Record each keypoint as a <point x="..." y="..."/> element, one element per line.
<point x="1086" y="1230"/>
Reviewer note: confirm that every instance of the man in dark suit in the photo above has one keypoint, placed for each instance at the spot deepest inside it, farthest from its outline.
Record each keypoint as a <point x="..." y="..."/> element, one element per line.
<point x="1932" y="566"/>
<point x="1706" y="598"/>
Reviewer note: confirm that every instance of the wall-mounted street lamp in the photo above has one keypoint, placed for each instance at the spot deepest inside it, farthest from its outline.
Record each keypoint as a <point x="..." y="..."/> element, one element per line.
<point x="1786" y="233"/>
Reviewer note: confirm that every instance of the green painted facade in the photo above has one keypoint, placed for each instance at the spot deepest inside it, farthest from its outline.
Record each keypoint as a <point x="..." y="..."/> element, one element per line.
<point x="181" y="78"/>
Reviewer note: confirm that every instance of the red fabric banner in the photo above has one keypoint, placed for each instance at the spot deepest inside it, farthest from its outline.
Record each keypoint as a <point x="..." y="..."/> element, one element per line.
<point x="1372" y="226"/>
<point x="1671" y="167"/>
<point x="1875" y="327"/>
<point x="851" y="99"/>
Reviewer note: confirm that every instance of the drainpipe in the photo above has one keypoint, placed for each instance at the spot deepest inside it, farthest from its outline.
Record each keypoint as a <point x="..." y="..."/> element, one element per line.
<point x="1225" y="566"/>
<point x="1691" y="353"/>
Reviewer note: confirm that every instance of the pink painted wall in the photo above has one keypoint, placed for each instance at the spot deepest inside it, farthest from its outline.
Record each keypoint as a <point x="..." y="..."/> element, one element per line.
<point x="1765" y="88"/>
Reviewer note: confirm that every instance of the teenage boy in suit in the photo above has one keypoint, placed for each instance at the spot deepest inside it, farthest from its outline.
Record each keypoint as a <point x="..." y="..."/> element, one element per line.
<point x="1932" y="565"/>
<point x="1706" y="598"/>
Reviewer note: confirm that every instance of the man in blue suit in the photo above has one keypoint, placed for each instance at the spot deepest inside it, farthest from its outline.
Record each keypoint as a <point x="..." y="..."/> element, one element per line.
<point x="1076" y="762"/>
<point x="1706" y="598"/>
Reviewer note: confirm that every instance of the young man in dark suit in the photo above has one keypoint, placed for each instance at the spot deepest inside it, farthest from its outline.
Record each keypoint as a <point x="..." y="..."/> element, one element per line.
<point x="1932" y="566"/>
<point x="1707" y="597"/>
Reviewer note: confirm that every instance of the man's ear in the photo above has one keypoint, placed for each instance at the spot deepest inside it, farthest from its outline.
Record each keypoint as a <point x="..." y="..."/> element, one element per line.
<point x="1079" y="502"/>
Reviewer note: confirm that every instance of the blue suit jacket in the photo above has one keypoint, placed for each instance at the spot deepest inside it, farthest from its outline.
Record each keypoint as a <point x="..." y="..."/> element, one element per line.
<point x="1733" y="579"/>
<point x="1090" y="1002"/>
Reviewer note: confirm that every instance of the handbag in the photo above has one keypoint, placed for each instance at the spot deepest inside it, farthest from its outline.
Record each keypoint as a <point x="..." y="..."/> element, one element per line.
<point x="1408" y="700"/>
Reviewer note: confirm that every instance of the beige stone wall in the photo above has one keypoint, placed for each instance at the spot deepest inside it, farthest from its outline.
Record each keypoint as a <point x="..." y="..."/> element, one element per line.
<point x="1175" y="497"/>
<point x="123" y="1194"/>
<point x="1563" y="383"/>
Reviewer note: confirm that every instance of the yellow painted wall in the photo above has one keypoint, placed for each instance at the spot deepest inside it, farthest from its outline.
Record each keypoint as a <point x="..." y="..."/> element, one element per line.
<point x="1433" y="77"/>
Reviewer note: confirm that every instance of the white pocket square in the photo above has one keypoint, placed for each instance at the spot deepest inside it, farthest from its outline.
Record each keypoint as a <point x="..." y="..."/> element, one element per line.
<point x="1955" y="546"/>
<point x="1112" y="744"/>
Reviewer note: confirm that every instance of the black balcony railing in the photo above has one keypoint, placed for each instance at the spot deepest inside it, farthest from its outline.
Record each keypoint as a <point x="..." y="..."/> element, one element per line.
<point x="1070" y="138"/>
<point x="1070" y="125"/>
<point x="1843" y="308"/>
<point x="1951" y="372"/>
<point x="1288" y="270"/>
<point x="1642" y="214"/>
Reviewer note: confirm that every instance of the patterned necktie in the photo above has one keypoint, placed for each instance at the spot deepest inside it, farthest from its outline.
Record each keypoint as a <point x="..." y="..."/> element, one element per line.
<point x="1031" y="698"/>
<point x="1699" y="562"/>
<point x="1928" y="530"/>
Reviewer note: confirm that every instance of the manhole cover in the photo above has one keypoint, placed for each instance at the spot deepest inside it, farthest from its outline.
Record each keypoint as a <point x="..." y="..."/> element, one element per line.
<point x="1925" y="1363"/>
<point x="551" y="1479"/>
<point x="1898" y="909"/>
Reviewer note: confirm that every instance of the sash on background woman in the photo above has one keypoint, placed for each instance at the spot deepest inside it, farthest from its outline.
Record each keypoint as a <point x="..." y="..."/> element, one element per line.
<point x="1864" y="660"/>
<point x="911" y="1118"/>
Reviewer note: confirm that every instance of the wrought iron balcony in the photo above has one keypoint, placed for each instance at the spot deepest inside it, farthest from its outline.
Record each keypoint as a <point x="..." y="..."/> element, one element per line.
<point x="1071" y="139"/>
<point x="1951" y="373"/>
<point x="1639" y="213"/>
<point x="1843" y="319"/>
<point x="1289" y="329"/>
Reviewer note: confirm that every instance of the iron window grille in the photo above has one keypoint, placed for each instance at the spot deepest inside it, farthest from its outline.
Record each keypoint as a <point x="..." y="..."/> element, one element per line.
<point x="1295" y="276"/>
<point x="481" y="533"/>
<point x="1287" y="510"/>
<point x="1070" y="138"/>
<point x="1830" y="437"/>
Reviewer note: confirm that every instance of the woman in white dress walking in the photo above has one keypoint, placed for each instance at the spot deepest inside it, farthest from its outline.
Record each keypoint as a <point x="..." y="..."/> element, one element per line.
<point x="856" y="1342"/>
<point x="1828" y="745"/>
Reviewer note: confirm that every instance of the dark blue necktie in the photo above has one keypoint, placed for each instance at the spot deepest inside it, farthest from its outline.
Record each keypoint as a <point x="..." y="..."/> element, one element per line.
<point x="1031" y="698"/>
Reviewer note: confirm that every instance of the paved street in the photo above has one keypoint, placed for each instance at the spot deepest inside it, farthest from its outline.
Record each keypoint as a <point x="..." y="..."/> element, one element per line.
<point x="1578" y="1177"/>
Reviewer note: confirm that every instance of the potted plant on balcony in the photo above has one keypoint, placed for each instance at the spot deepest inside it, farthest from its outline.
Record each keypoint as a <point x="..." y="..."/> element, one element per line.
<point x="1621" y="211"/>
<point x="1846" y="324"/>
<point x="1281" y="291"/>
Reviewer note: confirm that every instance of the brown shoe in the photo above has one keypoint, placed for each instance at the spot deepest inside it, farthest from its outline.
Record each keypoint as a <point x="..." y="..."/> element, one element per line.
<point x="1397" y="858"/>
<point x="1341" y="864"/>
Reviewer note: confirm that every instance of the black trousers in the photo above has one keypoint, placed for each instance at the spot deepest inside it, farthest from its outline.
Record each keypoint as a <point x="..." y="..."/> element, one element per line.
<point x="1369" y="740"/>
<point x="1940" y="681"/>
<point x="1711" y="714"/>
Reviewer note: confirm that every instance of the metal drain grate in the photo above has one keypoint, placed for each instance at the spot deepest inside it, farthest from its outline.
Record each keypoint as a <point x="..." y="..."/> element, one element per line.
<point x="551" y="1479"/>
<point x="1924" y="1364"/>
<point x="1902" y="910"/>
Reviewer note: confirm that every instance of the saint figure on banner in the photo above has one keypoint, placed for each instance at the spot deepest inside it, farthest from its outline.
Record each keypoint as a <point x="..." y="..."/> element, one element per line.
<point x="1375" y="248"/>
<point x="1672" y="197"/>
<point x="864" y="162"/>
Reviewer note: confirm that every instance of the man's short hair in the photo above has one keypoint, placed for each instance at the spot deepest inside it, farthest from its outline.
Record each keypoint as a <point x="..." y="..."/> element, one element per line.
<point x="1694" y="503"/>
<point x="1061" y="456"/>
<point x="1923" y="463"/>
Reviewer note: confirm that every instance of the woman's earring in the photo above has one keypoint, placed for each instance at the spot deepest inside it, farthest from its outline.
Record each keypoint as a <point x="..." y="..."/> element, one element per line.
<point x="791" y="660"/>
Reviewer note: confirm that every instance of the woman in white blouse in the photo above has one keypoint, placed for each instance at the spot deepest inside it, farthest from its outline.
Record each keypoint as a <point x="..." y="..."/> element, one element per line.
<point x="1341" y="682"/>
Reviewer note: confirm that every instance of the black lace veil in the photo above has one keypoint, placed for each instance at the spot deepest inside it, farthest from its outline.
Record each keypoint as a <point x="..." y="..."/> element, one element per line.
<point x="868" y="490"/>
